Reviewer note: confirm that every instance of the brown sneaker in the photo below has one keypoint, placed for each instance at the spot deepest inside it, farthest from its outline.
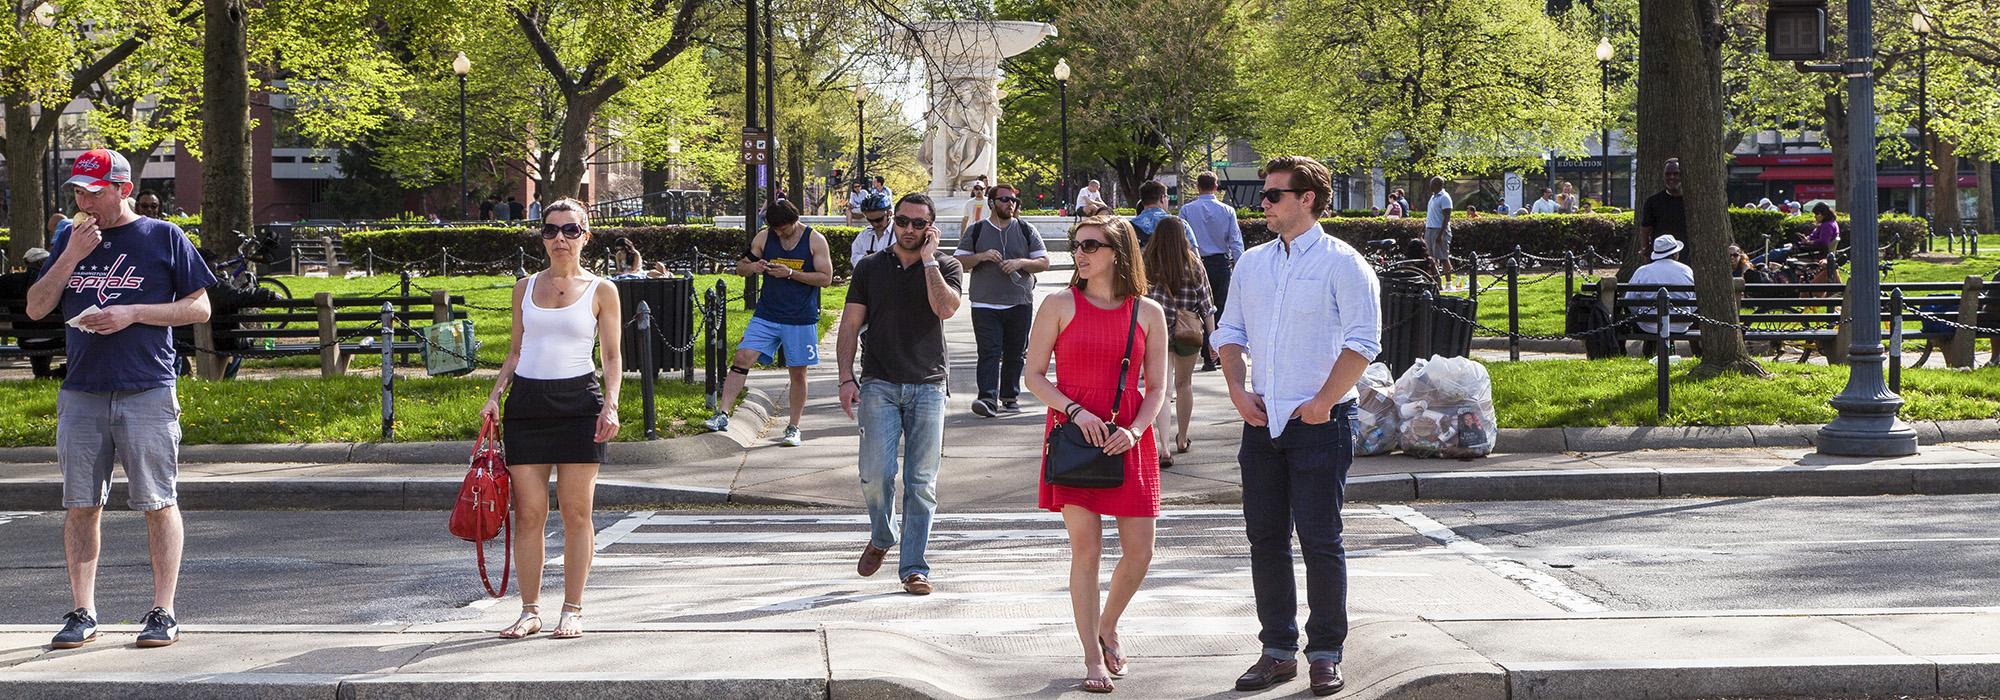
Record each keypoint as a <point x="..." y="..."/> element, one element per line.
<point x="871" y="560"/>
<point x="1267" y="672"/>
<point x="917" y="584"/>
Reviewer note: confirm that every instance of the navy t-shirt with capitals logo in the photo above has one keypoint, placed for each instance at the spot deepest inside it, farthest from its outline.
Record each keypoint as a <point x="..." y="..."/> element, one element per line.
<point x="146" y="261"/>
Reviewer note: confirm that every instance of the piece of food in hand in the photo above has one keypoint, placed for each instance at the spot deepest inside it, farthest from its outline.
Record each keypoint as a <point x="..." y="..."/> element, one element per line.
<point x="81" y="218"/>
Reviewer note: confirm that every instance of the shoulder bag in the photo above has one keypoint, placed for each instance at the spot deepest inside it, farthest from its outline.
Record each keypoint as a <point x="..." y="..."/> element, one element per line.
<point x="481" y="512"/>
<point x="1068" y="458"/>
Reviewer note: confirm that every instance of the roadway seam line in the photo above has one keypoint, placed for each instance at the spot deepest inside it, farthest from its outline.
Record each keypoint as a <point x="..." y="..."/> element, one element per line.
<point x="1541" y="585"/>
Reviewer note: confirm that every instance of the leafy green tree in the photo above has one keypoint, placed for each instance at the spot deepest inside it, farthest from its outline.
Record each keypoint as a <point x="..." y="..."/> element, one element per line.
<point x="1445" y="87"/>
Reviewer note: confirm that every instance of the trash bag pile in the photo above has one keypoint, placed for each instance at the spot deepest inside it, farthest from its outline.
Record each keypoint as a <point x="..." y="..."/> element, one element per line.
<point x="1375" y="417"/>
<point x="1440" y="407"/>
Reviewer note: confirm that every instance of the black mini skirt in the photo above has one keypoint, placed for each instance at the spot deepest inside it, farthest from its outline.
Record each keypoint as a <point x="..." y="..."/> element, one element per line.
<point x="553" y="421"/>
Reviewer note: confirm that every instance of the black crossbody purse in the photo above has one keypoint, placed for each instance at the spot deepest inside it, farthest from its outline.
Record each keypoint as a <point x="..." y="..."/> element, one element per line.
<point x="1068" y="458"/>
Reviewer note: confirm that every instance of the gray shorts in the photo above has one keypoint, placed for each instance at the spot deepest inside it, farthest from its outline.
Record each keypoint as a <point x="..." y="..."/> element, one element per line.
<point x="1439" y="241"/>
<point x="140" y="429"/>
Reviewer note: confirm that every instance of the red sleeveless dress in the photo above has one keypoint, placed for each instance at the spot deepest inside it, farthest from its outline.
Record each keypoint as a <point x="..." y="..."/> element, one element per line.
<point x="1087" y="372"/>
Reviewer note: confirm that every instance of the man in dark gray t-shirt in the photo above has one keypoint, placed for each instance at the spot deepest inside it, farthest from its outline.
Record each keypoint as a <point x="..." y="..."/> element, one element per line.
<point x="1003" y="253"/>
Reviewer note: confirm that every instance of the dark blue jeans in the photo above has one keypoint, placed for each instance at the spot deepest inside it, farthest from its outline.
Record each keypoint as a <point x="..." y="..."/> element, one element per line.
<point x="1298" y="481"/>
<point x="1002" y="336"/>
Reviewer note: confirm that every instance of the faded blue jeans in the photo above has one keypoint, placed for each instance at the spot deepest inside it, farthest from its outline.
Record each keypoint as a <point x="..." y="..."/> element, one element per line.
<point x="906" y="421"/>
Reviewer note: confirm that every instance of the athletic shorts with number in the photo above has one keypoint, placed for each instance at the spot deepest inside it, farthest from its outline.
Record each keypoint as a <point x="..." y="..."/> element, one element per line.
<point x="140" y="429"/>
<point x="799" y="344"/>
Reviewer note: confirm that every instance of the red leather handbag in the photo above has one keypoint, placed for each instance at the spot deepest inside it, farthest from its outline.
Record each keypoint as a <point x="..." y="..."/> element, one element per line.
<point x="483" y="506"/>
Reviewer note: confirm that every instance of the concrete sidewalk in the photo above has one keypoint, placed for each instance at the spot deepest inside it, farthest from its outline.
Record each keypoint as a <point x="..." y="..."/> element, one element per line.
<point x="1555" y="656"/>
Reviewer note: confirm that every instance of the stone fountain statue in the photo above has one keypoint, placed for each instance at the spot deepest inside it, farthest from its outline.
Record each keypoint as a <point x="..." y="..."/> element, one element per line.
<point x="962" y="65"/>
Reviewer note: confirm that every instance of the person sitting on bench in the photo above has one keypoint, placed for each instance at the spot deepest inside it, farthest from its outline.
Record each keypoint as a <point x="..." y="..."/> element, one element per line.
<point x="1665" y="270"/>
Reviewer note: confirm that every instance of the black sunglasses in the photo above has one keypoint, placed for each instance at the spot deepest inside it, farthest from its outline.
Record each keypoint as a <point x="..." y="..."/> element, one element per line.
<point x="1006" y="200"/>
<point x="569" y="231"/>
<point x="1276" y="193"/>
<point x="912" y="223"/>
<point x="1092" y="245"/>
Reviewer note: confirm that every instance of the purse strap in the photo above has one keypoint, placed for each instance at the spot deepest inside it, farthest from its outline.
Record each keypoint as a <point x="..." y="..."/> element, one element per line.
<point x="1125" y="361"/>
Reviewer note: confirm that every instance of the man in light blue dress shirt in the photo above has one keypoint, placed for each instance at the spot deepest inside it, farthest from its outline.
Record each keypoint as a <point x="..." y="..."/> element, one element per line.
<point x="1305" y="313"/>
<point x="1218" y="237"/>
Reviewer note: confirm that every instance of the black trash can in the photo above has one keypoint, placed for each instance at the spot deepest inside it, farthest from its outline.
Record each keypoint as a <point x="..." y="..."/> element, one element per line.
<point x="1413" y="328"/>
<point x="671" y="300"/>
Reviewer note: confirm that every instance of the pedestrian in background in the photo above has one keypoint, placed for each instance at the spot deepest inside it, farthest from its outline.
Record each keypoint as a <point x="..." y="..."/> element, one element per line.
<point x="1176" y="279"/>
<point x="1307" y="315"/>
<point x="902" y="295"/>
<point x="1218" y="238"/>
<point x="1003" y="253"/>
<point x="556" y="419"/>
<point x="1152" y="207"/>
<point x="1086" y="329"/>
<point x="1437" y="228"/>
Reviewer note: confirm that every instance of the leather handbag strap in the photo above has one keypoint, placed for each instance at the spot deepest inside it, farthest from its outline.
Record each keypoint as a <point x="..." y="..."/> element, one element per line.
<point x="1125" y="361"/>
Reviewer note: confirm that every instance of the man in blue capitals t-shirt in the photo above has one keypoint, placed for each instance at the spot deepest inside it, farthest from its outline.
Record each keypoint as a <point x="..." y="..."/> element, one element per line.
<point x="123" y="282"/>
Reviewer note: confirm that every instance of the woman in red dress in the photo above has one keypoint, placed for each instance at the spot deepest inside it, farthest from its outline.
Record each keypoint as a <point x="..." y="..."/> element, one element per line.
<point x="1084" y="328"/>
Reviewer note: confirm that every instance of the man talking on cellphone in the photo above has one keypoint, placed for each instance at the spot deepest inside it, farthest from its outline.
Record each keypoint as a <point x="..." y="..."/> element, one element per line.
<point x="903" y="294"/>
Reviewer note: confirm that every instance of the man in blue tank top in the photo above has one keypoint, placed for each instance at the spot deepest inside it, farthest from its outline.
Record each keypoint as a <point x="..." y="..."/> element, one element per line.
<point x="795" y="263"/>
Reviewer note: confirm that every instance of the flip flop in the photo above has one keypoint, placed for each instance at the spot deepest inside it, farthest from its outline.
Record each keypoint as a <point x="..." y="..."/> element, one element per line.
<point x="1114" y="662"/>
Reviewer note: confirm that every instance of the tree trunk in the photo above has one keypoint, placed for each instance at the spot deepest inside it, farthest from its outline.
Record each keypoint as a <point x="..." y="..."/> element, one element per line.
<point x="1944" y="194"/>
<point x="138" y="158"/>
<point x="795" y="173"/>
<point x="1836" y="135"/>
<point x="225" y="126"/>
<point x="1367" y="179"/>
<point x="26" y="217"/>
<point x="1985" y="207"/>
<point x="1681" y="116"/>
<point x="575" y="146"/>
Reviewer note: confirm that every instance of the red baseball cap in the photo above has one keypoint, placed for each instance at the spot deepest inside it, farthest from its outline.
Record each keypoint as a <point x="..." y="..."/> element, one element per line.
<point x="98" y="168"/>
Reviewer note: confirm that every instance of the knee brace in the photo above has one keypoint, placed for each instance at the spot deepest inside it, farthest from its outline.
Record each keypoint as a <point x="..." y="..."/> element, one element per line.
<point x="745" y="371"/>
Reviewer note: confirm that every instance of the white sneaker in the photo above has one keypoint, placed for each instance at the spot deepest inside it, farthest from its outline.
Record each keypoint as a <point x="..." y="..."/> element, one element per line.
<point x="717" y="424"/>
<point x="792" y="436"/>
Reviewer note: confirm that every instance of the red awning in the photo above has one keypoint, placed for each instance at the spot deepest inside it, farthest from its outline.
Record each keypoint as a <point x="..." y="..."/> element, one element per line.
<point x="1797" y="172"/>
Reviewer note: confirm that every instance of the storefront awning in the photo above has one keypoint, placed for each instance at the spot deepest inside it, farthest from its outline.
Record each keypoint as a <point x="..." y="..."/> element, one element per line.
<point x="1796" y="173"/>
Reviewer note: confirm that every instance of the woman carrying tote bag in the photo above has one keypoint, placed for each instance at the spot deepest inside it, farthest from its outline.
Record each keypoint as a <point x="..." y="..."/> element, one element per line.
<point x="555" y="418"/>
<point x="1087" y="329"/>
<point x="1176" y="279"/>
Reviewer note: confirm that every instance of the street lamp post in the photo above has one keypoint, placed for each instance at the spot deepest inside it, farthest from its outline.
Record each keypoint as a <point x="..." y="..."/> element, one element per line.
<point x="1867" y="425"/>
<point x="45" y="16"/>
<point x="1062" y="96"/>
<point x="1921" y="24"/>
<point x="860" y="132"/>
<point x="1604" y="98"/>
<point x="461" y="66"/>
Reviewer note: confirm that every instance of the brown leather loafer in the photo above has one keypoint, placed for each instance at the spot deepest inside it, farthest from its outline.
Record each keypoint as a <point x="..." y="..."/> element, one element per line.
<point x="917" y="584"/>
<point x="1267" y="672"/>
<point x="1326" y="679"/>
<point x="871" y="561"/>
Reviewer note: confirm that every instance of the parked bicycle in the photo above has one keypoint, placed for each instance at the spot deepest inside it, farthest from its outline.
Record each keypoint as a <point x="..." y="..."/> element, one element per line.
<point x="240" y="275"/>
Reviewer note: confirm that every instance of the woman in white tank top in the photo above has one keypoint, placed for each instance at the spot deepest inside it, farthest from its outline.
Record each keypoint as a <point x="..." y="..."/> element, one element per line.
<point x="556" y="419"/>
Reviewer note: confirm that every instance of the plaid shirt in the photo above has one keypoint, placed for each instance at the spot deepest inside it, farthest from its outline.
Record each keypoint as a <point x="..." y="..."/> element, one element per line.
<point x="1194" y="296"/>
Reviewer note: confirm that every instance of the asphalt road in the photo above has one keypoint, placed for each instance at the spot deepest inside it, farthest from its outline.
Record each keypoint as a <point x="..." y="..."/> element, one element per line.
<point x="996" y="570"/>
<point x="1749" y="553"/>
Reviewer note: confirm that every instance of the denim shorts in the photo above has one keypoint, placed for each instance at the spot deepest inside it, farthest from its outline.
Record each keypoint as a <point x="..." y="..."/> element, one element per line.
<point x="140" y="429"/>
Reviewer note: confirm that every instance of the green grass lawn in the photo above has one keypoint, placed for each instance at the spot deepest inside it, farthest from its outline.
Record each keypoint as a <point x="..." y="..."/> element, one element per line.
<point x="493" y="324"/>
<point x="342" y="409"/>
<point x="1581" y="393"/>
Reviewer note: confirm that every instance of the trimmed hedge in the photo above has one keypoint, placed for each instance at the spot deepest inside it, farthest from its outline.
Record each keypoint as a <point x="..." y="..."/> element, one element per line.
<point x="1553" y="234"/>
<point x="484" y="243"/>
